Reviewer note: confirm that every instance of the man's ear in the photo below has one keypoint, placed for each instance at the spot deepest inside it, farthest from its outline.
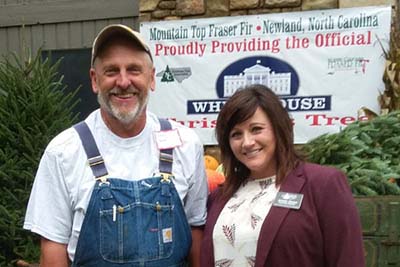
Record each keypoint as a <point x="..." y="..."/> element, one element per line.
<point x="93" y="80"/>
<point x="153" y="80"/>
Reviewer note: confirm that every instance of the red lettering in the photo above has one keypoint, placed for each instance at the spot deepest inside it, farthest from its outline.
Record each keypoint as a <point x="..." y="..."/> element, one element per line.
<point x="330" y="120"/>
<point x="324" y="120"/>
<point x="347" y="120"/>
<point x="315" y="119"/>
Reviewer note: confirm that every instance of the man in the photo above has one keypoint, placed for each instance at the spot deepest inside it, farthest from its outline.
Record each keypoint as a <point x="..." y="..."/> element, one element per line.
<point x="121" y="188"/>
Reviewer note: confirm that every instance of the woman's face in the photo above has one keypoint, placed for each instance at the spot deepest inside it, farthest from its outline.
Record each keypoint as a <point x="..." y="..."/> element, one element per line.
<point x="253" y="143"/>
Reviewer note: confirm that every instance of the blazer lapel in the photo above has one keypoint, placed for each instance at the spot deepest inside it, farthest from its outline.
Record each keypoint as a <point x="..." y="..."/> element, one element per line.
<point x="212" y="217"/>
<point x="213" y="214"/>
<point x="293" y="183"/>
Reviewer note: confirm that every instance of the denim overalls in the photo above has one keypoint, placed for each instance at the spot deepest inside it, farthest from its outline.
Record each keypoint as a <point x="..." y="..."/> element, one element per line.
<point x="138" y="223"/>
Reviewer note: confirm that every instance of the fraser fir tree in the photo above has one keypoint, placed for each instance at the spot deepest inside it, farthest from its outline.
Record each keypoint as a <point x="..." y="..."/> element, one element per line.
<point x="34" y="107"/>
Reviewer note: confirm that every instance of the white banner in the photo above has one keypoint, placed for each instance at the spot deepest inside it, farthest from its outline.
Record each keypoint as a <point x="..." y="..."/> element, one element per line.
<point x="324" y="65"/>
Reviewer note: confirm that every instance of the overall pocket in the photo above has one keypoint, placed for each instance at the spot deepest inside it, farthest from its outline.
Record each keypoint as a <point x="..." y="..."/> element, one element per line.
<point x="137" y="232"/>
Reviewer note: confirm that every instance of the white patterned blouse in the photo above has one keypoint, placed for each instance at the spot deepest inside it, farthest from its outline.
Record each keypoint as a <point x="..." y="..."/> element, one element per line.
<point x="236" y="232"/>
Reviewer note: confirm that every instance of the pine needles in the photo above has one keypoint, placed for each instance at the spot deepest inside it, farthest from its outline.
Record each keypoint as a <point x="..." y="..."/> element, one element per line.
<point x="33" y="108"/>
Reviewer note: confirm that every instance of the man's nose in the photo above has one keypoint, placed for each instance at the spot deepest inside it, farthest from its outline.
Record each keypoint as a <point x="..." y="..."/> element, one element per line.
<point x="123" y="80"/>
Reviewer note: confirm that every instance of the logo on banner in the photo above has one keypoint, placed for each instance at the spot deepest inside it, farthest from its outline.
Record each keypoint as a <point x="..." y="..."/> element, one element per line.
<point x="274" y="73"/>
<point x="174" y="74"/>
<point x="358" y="65"/>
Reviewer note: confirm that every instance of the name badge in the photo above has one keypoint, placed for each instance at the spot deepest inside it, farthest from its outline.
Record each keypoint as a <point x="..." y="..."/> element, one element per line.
<point x="168" y="139"/>
<point x="288" y="200"/>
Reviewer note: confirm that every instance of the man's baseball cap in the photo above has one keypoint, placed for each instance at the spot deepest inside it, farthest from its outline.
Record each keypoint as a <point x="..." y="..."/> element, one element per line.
<point x="113" y="30"/>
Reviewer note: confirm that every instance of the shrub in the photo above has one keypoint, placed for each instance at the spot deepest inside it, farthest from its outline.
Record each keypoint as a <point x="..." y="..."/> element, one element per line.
<point x="33" y="108"/>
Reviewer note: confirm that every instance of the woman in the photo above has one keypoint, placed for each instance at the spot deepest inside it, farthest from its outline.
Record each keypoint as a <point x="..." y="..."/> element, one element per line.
<point x="275" y="209"/>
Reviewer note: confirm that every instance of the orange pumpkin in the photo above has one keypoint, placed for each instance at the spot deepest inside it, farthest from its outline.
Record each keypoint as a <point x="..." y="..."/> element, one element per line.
<point x="214" y="179"/>
<point x="210" y="162"/>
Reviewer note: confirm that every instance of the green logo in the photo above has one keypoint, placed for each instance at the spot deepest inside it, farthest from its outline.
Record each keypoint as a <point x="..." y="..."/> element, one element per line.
<point x="167" y="76"/>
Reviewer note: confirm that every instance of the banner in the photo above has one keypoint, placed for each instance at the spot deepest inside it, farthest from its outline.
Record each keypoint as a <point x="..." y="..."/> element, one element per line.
<point x="324" y="65"/>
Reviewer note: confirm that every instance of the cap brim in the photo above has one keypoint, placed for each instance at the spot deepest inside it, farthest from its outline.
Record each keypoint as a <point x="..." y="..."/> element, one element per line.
<point x="118" y="29"/>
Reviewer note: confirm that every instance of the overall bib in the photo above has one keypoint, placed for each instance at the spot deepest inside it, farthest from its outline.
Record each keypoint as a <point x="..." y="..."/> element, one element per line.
<point x="138" y="223"/>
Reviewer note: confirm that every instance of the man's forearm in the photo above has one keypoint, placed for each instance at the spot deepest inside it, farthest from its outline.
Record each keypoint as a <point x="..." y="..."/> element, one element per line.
<point x="53" y="254"/>
<point x="194" y="256"/>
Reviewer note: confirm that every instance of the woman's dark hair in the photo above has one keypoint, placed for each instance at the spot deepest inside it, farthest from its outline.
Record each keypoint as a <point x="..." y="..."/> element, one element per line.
<point x="240" y="107"/>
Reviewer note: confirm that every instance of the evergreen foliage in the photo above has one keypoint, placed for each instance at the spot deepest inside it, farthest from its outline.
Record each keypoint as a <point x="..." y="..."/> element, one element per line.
<point x="368" y="152"/>
<point x="34" y="107"/>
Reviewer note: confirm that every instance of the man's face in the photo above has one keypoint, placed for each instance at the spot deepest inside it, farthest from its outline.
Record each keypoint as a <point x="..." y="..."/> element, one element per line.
<point x="122" y="77"/>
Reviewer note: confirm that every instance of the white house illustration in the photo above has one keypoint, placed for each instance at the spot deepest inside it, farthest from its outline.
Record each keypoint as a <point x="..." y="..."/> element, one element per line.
<point x="258" y="74"/>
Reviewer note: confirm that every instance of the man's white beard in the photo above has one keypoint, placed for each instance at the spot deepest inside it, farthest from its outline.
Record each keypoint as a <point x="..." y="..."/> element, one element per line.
<point x="124" y="117"/>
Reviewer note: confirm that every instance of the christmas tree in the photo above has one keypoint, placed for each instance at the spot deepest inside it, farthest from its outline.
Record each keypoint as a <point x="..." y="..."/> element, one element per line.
<point x="33" y="108"/>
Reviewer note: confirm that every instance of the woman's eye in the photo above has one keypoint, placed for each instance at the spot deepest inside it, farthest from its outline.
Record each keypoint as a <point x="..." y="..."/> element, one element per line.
<point x="256" y="129"/>
<point x="235" y="134"/>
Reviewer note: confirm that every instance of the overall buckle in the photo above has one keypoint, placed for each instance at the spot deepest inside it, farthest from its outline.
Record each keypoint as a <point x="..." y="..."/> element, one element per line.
<point x="103" y="180"/>
<point x="165" y="177"/>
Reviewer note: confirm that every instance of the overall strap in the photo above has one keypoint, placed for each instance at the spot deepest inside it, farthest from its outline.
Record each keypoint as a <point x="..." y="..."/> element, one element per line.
<point x="95" y="160"/>
<point x="165" y="154"/>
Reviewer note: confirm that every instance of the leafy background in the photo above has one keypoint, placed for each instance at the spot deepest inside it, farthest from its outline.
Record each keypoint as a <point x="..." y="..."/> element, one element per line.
<point x="33" y="108"/>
